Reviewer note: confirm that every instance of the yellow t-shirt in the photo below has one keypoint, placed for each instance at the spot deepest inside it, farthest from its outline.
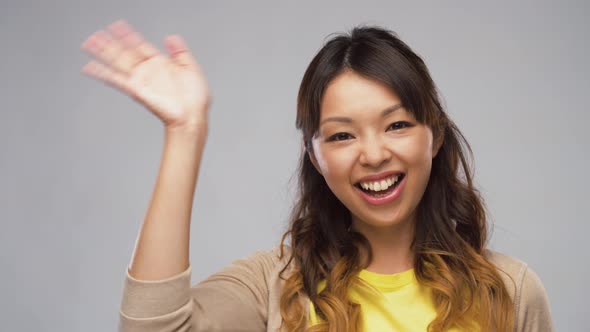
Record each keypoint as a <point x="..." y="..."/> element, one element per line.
<point x="399" y="303"/>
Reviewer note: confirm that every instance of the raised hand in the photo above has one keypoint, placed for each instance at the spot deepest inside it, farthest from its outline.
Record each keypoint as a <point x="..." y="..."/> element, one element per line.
<point x="172" y="86"/>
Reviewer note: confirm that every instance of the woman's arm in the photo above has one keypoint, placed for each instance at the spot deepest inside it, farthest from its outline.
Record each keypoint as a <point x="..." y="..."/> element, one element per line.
<point x="173" y="87"/>
<point x="162" y="247"/>
<point x="157" y="295"/>
<point x="242" y="296"/>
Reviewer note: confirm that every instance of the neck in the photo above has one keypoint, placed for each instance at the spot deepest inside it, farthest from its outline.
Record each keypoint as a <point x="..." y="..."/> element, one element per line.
<point x="390" y="246"/>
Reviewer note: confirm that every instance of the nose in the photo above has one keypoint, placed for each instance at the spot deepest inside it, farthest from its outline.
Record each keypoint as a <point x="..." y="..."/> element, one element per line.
<point x="374" y="152"/>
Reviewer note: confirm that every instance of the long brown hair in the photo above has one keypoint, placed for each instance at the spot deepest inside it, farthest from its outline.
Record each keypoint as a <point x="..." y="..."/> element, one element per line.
<point x="451" y="228"/>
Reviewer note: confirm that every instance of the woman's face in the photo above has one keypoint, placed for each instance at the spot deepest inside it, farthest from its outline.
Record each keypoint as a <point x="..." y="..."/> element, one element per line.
<point x="356" y="140"/>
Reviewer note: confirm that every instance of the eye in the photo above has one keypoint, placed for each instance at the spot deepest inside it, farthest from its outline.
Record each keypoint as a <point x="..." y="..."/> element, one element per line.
<point x="338" y="137"/>
<point x="399" y="125"/>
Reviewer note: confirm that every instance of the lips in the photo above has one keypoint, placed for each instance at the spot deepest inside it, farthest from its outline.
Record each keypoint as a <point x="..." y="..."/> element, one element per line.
<point x="378" y="177"/>
<point x="388" y="197"/>
<point x="370" y="186"/>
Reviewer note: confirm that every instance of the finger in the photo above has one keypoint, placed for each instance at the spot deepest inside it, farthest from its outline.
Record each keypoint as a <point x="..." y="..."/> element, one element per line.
<point x="102" y="46"/>
<point x="147" y="50"/>
<point x="107" y="75"/>
<point x="129" y="41"/>
<point x="132" y="41"/>
<point x="179" y="52"/>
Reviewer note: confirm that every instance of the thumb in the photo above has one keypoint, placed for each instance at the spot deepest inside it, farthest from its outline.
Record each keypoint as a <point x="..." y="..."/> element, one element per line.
<point x="179" y="52"/>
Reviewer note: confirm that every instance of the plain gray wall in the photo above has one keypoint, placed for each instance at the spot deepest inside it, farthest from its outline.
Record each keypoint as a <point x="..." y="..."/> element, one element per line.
<point x="79" y="159"/>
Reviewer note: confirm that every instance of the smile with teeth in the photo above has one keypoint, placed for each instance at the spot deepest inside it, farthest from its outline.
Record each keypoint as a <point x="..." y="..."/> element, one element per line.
<point x="381" y="185"/>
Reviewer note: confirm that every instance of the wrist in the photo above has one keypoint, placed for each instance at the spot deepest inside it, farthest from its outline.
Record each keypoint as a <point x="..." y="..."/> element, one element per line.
<point x="189" y="129"/>
<point x="189" y="137"/>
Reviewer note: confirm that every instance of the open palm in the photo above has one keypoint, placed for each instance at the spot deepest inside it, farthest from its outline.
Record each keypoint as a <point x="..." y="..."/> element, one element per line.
<point x="171" y="86"/>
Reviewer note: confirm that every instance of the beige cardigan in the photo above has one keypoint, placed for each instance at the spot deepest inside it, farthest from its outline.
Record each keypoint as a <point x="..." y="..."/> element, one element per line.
<point x="245" y="295"/>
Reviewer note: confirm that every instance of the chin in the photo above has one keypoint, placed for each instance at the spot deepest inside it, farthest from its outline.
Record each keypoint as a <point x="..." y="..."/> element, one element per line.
<point x="385" y="220"/>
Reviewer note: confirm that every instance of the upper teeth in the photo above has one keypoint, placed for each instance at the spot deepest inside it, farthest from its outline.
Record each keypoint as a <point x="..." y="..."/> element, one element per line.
<point x="380" y="185"/>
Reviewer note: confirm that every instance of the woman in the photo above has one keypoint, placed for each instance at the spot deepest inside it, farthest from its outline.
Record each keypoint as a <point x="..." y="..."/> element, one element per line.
<point x="388" y="233"/>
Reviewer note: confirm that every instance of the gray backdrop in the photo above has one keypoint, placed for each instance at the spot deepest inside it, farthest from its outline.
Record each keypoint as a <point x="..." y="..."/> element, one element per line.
<point x="79" y="159"/>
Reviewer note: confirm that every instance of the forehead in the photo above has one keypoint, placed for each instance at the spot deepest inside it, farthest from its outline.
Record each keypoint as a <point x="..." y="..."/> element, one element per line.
<point x="350" y="93"/>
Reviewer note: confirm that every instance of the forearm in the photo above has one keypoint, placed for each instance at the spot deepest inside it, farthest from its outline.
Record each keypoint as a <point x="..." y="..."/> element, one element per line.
<point x="162" y="247"/>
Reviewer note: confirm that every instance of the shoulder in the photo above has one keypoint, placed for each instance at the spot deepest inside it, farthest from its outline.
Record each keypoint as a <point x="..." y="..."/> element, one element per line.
<point x="511" y="269"/>
<point x="262" y="264"/>
<point x="271" y="268"/>
<point x="519" y="277"/>
<point x="267" y="259"/>
<point x="526" y="289"/>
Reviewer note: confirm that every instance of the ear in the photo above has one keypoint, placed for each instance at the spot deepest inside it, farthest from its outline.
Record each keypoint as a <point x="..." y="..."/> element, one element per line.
<point x="309" y="151"/>
<point x="436" y="144"/>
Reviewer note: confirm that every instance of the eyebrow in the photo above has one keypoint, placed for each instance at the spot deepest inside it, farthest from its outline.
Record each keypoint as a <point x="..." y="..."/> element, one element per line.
<point x="384" y="113"/>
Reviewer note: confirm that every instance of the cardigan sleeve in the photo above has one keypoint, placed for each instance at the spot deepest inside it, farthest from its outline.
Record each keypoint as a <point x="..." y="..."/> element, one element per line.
<point x="233" y="299"/>
<point x="534" y="310"/>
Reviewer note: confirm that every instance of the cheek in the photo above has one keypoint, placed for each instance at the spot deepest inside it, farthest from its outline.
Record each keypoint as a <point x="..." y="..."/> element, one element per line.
<point x="336" y="165"/>
<point x="419" y="147"/>
<point x="415" y="151"/>
<point x="418" y="157"/>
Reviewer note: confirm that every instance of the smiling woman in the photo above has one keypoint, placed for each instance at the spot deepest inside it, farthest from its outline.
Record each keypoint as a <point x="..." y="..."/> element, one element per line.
<point x="388" y="232"/>
<point x="383" y="206"/>
<point x="376" y="148"/>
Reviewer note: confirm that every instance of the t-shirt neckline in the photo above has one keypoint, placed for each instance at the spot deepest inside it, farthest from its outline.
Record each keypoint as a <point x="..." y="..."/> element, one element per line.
<point x="388" y="282"/>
